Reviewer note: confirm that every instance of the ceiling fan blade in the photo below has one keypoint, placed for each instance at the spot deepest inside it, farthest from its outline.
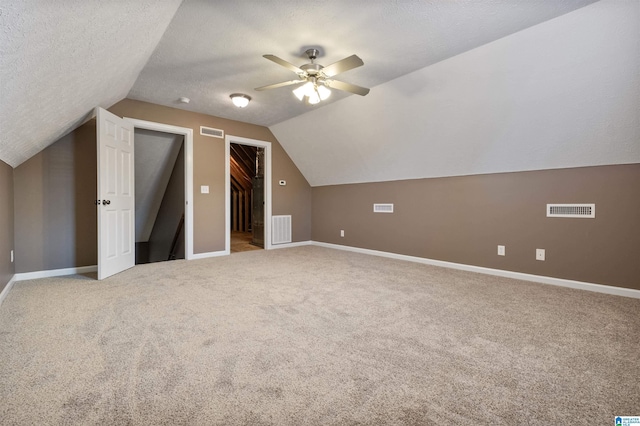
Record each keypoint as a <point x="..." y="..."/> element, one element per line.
<point x="283" y="63"/>
<point x="347" y="87"/>
<point x="275" y="86"/>
<point x="346" y="64"/>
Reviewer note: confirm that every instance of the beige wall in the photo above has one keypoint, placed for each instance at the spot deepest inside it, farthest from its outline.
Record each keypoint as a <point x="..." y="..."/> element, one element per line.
<point x="208" y="165"/>
<point x="6" y="223"/>
<point x="55" y="218"/>
<point x="464" y="219"/>
<point x="55" y="223"/>
<point x="458" y="219"/>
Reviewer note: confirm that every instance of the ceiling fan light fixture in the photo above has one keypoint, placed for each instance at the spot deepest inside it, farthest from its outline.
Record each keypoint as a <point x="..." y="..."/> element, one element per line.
<point x="315" y="80"/>
<point x="314" y="98"/>
<point x="309" y="88"/>
<point x="240" y="100"/>
<point x="314" y="92"/>
<point x="300" y="92"/>
<point x="324" y="92"/>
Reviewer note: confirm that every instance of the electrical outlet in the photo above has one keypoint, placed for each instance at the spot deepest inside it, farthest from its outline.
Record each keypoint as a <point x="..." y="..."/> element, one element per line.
<point x="342" y="232"/>
<point x="540" y="255"/>
<point x="500" y="250"/>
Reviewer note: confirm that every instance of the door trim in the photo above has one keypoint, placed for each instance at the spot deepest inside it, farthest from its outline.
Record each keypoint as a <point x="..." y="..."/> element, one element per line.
<point x="188" y="169"/>
<point x="228" y="140"/>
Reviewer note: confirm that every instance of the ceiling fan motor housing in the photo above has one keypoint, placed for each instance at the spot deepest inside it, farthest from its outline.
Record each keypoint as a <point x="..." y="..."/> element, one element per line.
<point x="312" y="69"/>
<point x="312" y="53"/>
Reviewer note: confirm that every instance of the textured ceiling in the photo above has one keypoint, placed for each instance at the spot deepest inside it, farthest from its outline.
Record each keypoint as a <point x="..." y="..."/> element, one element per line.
<point x="556" y="95"/>
<point x="61" y="59"/>
<point x="58" y="60"/>
<point x="213" y="49"/>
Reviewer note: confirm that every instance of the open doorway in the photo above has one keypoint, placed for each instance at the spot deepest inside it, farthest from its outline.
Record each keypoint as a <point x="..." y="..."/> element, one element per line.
<point x="175" y="235"/>
<point x="159" y="196"/>
<point x="248" y="194"/>
<point x="247" y="201"/>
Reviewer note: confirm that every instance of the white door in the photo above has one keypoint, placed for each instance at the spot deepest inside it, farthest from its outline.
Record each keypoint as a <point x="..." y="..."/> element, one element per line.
<point x="116" y="244"/>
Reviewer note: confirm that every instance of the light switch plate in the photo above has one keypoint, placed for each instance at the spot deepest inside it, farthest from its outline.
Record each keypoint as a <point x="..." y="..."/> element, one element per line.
<point x="204" y="189"/>
<point x="501" y="251"/>
<point x="540" y="254"/>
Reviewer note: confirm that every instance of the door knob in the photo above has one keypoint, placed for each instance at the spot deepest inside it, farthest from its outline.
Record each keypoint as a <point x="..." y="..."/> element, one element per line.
<point x="106" y="202"/>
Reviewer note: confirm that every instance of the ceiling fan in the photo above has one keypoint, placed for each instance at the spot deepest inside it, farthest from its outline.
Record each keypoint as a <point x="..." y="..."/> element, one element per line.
<point x="316" y="78"/>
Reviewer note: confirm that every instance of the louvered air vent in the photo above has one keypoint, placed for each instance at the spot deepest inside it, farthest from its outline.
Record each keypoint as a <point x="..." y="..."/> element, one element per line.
<point x="383" y="208"/>
<point x="281" y="229"/>
<point x="571" y="210"/>
<point x="211" y="132"/>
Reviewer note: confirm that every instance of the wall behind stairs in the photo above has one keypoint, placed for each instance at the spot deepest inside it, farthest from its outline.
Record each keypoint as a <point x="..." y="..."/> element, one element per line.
<point x="169" y="214"/>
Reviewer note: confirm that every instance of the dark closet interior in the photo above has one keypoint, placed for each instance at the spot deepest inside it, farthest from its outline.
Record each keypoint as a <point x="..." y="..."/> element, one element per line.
<point x="247" y="197"/>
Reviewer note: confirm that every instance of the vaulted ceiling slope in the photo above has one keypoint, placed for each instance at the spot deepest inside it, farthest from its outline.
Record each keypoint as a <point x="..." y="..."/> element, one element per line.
<point x="59" y="59"/>
<point x="565" y="93"/>
<point x="213" y="49"/>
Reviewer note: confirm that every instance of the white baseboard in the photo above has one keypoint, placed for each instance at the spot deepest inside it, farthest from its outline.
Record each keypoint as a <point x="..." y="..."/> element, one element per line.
<point x="209" y="254"/>
<point x="599" y="288"/>
<point x="289" y="245"/>
<point x="7" y="288"/>
<point x="227" y="252"/>
<point x="55" y="273"/>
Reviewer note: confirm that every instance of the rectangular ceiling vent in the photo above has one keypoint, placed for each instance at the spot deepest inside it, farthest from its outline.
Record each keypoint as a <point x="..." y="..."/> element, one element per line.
<point x="211" y="132"/>
<point x="383" y="208"/>
<point x="571" y="210"/>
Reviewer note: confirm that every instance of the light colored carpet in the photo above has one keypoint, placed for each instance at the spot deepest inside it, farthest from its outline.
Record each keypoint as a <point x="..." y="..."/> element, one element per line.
<point x="313" y="336"/>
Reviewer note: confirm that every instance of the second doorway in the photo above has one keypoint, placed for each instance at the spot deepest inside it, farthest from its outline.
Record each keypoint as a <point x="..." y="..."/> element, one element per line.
<point x="247" y="197"/>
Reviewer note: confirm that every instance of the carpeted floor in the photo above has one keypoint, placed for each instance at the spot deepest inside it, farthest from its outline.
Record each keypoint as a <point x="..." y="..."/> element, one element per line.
<point x="313" y="336"/>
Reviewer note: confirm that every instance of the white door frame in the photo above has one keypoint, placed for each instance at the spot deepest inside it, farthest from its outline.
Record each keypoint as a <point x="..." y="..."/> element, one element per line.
<point x="188" y="169"/>
<point x="228" y="140"/>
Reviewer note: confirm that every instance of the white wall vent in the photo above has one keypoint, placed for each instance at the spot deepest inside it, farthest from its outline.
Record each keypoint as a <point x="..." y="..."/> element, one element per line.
<point x="383" y="208"/>
<point x="211" y="132"/>
<point x="571" y="210"/>
<point x="280" y="229"/>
